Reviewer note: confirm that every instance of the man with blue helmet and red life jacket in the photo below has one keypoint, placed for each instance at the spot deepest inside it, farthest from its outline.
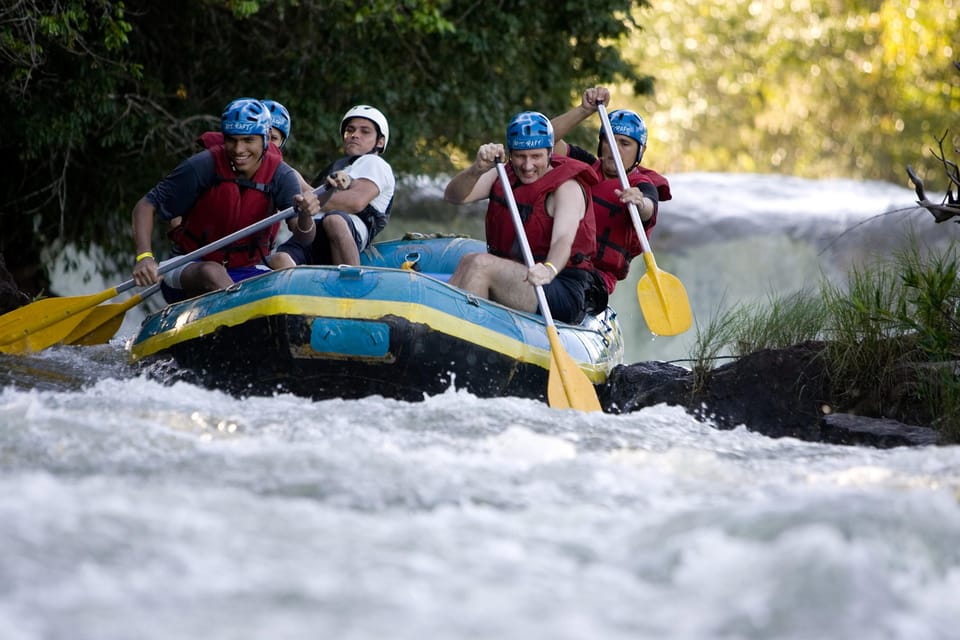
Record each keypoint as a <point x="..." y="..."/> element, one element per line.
<point x="280" y="124"/>
<point x="617" y="241"/>
<point x="553" y="196"/>
<point x="359" y="210"/>
<point x="216" y="192"/>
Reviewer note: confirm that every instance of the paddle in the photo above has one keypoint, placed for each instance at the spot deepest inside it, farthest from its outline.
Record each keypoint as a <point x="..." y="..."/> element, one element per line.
<point x="103" y="320"/>
<point x="40" y="324"/>
<point x="567" y="386"/>
<point x="663" y="300"/>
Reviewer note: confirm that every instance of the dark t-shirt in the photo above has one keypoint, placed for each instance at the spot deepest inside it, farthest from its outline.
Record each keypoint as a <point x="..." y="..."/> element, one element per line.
<point x="181" y="188"/>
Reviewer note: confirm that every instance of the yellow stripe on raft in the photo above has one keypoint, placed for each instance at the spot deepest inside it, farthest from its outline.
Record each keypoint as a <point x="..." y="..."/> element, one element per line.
<point x="351" y="308"/>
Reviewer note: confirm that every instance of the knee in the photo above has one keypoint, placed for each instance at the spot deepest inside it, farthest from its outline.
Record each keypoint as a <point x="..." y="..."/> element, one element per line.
<point x="334" y="225"/>
<point x="209" y="275"/>
<point x="475" y="262"/>
<point x="281" y="260"/>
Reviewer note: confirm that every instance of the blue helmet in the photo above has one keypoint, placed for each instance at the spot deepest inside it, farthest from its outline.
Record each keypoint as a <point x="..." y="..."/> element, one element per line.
<point x="279" y="118"/>
<point x="244" y="117"/>
<point x="529" y="130"/>
<point x="628" y="123"/>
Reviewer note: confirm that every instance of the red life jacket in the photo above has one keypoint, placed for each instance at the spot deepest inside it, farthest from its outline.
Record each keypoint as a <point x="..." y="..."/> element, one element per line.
<point x="537" y="223"/>
<point x="617" y="241"/>
<point x="231" y="204"/>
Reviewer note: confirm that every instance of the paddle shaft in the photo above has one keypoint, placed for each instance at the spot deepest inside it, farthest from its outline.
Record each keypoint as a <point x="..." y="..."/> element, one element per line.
<point x="624" y="182"/>
<point x="567" y="386"/>
<point x="663" y="300"/>
<point x="58" y="313"/>
<point x="176" y="261"/>
<point x="522" y="238"/>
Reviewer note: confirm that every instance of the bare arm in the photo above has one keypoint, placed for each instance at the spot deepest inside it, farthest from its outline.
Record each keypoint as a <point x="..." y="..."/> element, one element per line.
<point x="309" y="204"/>
<point x="645" y="206"/>
<point x="145" y="270"/>
<point x="565" y="122"/>
<point x="355" y="198"/>
<point x="474" y="182"/>
<point x="567" y="205"/>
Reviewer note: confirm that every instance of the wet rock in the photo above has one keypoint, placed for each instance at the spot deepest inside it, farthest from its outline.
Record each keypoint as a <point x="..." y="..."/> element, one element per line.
<point x="843" y="428"/>
<point x="776" y="392"/>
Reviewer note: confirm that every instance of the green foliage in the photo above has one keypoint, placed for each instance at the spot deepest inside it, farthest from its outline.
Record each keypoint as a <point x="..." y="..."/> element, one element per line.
<point x="107" y="97"/>
<point x="719" y="332"/>
<point x="801" y="87"/>
<point x="891" y="336"/>
<point x="745" y="328"/>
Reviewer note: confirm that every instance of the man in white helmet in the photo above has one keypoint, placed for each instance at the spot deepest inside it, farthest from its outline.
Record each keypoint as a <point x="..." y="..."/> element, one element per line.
<point x="350" y="219"/>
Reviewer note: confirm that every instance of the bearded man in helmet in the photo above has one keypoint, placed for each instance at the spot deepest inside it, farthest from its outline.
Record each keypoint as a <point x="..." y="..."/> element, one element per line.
<point x="554" y="193"/>
<point x="354" y="215"/>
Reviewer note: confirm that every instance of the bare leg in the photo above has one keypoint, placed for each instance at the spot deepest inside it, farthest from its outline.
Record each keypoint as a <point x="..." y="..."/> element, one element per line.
<point x="281" y="260"/>
<point x="343" y="248"/>
<point x="497" y="279"/>
<point x="201" y="277"/>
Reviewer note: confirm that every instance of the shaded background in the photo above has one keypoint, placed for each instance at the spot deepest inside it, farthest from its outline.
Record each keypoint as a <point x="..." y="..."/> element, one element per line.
<point x="104" y="98"/>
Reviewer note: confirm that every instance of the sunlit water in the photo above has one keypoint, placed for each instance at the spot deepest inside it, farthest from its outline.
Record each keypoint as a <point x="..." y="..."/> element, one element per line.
<point x="134" y="510"/>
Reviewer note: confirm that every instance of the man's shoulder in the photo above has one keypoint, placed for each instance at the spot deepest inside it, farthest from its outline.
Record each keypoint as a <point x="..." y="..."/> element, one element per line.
<point x="373" y="160"/>
<point x="374" y="166"/>
<point x="284" y="170"/>
<point x="201" y="161"/>
<point x="198" y="168"/>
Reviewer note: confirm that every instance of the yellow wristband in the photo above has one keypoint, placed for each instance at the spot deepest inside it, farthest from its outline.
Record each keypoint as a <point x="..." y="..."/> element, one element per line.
<point x="552" y="268"/>
<point x="145" y="255"/>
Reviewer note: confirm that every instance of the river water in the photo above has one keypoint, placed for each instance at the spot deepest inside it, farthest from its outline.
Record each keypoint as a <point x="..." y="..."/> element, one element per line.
<point x="129" y="509"/>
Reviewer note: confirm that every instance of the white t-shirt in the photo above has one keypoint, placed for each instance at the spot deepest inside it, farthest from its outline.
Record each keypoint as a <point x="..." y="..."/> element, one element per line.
<point x="377" y="170"/>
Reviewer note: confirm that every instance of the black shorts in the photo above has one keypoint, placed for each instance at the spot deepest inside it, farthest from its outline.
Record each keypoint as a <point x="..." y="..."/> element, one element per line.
<point x="319" y="251"/>
<point x="573" y="294"/>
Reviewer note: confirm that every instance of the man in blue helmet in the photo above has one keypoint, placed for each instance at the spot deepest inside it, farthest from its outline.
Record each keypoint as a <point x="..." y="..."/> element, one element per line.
<point x="553" y="196"/>
<point x="216" y="192"/>
<point x="359" y="210"/>
<point x="617" y="241"/>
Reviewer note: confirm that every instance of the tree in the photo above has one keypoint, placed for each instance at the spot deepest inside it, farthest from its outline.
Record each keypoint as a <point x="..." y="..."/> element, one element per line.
<point x="106" y="97"/>
<point x="815" y="88"/>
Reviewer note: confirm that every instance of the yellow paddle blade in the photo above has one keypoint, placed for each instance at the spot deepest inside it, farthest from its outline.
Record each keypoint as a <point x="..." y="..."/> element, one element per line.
<point x="104" y="320"/>
<point x="568" y="387"/>
<point x="663" y="301"/>
<point x="40" y="339"/>
<point x="99" y="326"/>
<point x="43" y="323"/>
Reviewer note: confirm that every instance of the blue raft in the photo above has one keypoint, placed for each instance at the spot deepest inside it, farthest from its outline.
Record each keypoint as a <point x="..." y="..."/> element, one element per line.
<point x="391" y="327"/>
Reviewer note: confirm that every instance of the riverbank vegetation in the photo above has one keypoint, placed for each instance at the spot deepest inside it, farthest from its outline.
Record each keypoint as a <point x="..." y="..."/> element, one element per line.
<point x="889" y="337"/>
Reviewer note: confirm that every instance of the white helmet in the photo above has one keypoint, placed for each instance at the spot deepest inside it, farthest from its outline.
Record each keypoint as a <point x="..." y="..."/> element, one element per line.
<point x="373" y="115"/>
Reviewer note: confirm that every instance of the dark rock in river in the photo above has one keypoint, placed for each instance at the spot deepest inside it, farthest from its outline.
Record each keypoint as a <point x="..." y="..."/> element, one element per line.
<point x="776" y="392"/>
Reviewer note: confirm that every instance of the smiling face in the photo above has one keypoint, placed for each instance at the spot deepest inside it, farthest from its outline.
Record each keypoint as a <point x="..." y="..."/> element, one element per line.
<point x="629" y="149"/>
<point x="245" y="153"/>
<point x="360" y="136"/>
<point x="530" y="164"/>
